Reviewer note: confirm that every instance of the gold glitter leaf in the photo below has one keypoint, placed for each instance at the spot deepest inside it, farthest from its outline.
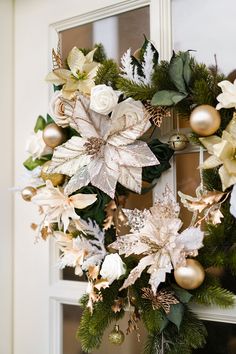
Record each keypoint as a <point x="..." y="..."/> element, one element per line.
<point x="163" y="299"/>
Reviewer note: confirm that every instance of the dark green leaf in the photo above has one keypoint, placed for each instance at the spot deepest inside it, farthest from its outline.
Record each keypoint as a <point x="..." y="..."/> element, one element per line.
<point x="137" y="64"/>
<point x="167" y="98"/>
<point x="163" y="153"/>
<point x="176" y="72"/>
<point x="49" y="119"/>
<point x="176" y="314"/>
<point x="40" y="124"/>
<point x="164" y="323"/>
<point x="183" y="295"/>
<point x="96" y="210"/>
<point x="187" y="69"/>
<point x="143" y="49"/>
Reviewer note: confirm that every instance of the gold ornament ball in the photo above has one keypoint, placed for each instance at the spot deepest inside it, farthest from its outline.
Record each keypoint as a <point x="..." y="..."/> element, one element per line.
<point x="28" y="192"/>
<point x="56" y="178"/>
<point x="191" y="276"/>
<point x="205" y="120"/>
<point x="178" y="141"/>
<point x="53" y="135"/>
<point x="116" y="336"/>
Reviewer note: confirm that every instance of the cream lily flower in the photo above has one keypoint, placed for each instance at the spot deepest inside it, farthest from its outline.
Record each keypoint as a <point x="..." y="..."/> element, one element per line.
<point x="227" y="99"/>
<point x="158" y="242"/>
<point x="107" y="151"/>
<point x="223" y="151"/>
<point x="58" y="207"/>
<point x="80" y="77"/>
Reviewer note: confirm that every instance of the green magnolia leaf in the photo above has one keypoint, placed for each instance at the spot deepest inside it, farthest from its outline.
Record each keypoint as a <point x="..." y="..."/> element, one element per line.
<point x="167" y="98"/>
<point x="183" y="295"/>
<point x="40" y="124"/>
<point x="176" y="72"/>
<point x="187" y="72"/>
<point x="31" y="164"/>
<point x="176" y="314"/>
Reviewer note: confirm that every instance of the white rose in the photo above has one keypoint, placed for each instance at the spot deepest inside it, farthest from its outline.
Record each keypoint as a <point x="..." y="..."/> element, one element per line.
<point x="36" y="146"/>
<point x="60" y="110"/>
<point x="233" y="202"/>
<point x="132" y="110"/>
<point x="113" y="267"/>
<point x="103" y="99"/>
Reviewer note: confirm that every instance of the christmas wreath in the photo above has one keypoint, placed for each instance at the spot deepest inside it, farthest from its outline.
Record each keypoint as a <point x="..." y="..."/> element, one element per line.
<point x="97" y="145"/>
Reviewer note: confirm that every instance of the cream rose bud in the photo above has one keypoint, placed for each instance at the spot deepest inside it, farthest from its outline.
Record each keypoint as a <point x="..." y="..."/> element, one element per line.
<point x="103" y="99"/>
<point x="60" y="110"/>
<point x="113" y="267"/>
<point x="36" y="146"/>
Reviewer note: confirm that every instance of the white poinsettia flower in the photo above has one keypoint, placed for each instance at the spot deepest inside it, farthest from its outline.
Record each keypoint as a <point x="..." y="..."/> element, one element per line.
<point x="79" y="77"/>
<point x="227" y="99"/>
<point x="36" y="146"/>
<point x="107" y="151"/>
<point x="159" y="243"/>
<point x="103" y="99"/>
<point x="59" y="207"/>
<point x="233" y="201"/>
<point x="81" y="253"/>
<point x="112" y="267"/>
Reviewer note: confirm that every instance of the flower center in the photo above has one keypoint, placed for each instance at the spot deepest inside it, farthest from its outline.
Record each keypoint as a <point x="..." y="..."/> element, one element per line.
<point x="80" y="75"/>
<point x="93" y="145"/>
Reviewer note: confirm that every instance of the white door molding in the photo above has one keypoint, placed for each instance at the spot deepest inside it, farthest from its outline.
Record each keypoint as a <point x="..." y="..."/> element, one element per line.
<point x="6" y="162"/>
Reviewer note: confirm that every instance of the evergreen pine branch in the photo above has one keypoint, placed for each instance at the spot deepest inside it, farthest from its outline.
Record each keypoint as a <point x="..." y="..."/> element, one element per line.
<point x="100" y="54"/>
<point x="136" y="91"/>
<point x="161" y="78"/>
<point x="231" y="260"/>
<point x="211" y="179"/>
<point x="107" y="73"/>
<point x="92" y="326"/>
<point x="191" y="335"/>
<point x="213" y="295"/>
<point x="153" y="344"/>
<point x="202" y="94"/>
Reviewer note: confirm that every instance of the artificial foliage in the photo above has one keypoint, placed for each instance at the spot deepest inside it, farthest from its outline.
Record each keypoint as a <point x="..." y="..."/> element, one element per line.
<point x="103" y="146"/>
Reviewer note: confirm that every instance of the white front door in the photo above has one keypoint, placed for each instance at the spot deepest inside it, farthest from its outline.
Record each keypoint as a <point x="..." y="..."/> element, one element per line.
<point x="44" y="301"/>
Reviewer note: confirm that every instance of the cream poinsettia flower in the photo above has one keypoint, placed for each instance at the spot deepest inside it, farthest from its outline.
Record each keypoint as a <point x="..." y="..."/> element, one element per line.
<point x="223" y="153"/>
<point x="59" y="207"/>
<point x="107" y="151"/>
<point x="81" y="253"/>
<point x="158" y="242"/>
<point x="80" y="77"/>
<point x="227" y="99"/>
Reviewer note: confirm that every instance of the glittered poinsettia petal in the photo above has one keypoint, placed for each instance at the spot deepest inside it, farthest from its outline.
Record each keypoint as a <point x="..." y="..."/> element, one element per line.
<point x="69" y="157"/>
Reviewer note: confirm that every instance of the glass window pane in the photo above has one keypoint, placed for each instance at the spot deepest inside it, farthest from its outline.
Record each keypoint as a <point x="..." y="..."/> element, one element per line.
<point x="71" y="318"/>
<point x="188" y="180"/>
<point x="201" y="31"/>
<point x="221" y="339"/>
<point x="116" y="33"/>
